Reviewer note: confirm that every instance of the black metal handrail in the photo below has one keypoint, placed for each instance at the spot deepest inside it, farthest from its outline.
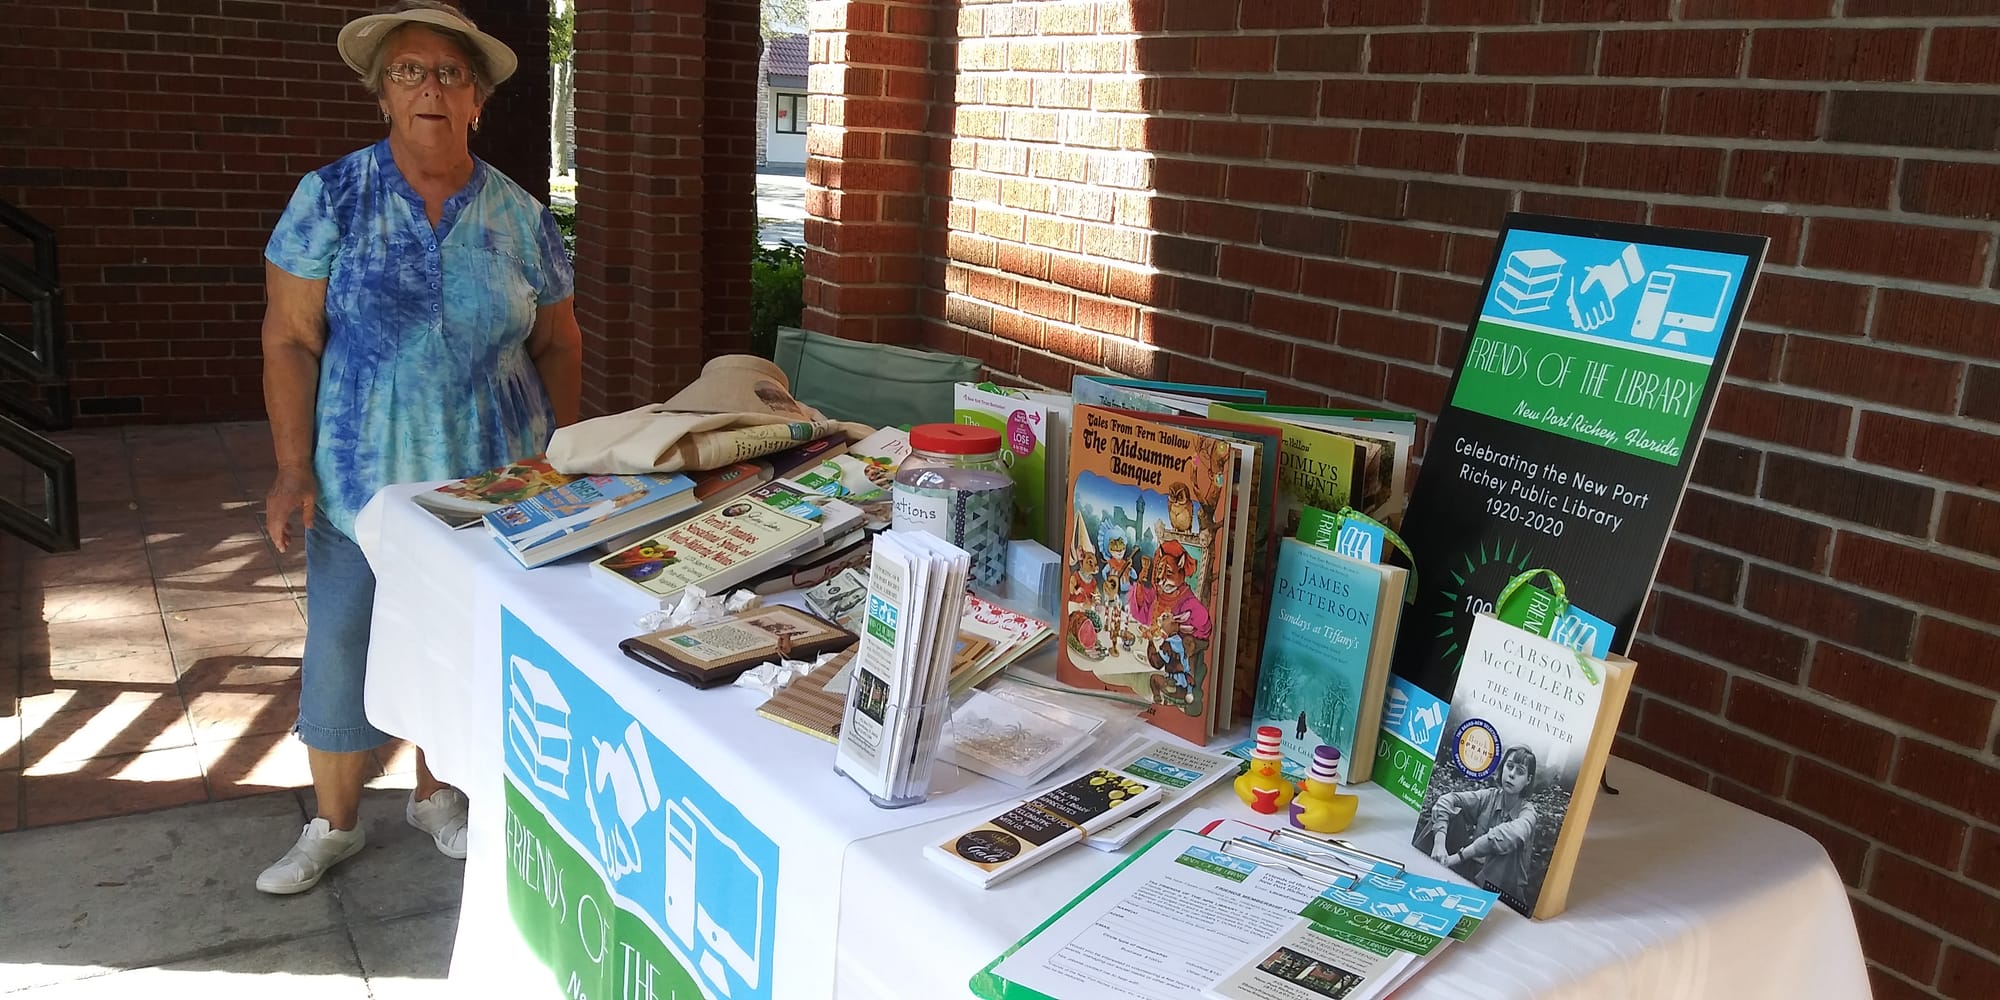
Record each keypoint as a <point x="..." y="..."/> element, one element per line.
<point x="41" y="358"/>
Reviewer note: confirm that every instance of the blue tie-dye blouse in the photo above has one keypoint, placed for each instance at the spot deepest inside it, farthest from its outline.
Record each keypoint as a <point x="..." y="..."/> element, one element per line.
<point x="426" y="373"/>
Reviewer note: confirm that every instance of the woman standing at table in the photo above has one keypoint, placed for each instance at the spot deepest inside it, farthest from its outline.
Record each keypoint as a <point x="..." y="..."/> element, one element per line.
<point x="419" y="326"/>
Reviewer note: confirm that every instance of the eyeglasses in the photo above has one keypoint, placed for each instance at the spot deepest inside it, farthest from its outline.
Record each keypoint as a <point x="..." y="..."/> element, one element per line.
<point x="409" y="74"/>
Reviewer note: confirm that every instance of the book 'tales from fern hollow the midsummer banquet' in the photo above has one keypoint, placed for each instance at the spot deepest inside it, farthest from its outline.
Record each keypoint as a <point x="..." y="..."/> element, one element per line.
<point x="1149" y="521"/>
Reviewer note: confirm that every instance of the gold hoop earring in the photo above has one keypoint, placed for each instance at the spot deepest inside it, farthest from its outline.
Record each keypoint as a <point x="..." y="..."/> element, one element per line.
<point x="475" y="124"/>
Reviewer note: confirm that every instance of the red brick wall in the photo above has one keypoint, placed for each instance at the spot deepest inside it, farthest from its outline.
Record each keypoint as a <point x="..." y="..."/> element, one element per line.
<point x="1301" y="195"/>
<point x="666" y="191"/>
<point x="161" y="141"/>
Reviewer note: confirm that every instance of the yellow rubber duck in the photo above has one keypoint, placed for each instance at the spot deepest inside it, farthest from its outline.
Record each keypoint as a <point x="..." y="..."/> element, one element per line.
<point x="1321" y="807"/>
<point x="1263" y="787"/>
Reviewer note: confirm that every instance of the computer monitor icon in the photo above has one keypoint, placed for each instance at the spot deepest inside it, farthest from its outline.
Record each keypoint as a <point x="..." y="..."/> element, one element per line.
<point x="1699" y="296"/>
<point x="723" y="925"/>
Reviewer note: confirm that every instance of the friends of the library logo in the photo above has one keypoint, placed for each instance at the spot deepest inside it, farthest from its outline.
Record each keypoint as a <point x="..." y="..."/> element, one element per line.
<point x="628" y="875"/>
<point x="1601" y="341"/>
<point x="1678" y="302"/>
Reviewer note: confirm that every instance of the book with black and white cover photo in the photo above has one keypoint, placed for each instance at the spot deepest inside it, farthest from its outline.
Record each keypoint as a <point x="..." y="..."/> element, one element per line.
<point x="1518" y="766"/>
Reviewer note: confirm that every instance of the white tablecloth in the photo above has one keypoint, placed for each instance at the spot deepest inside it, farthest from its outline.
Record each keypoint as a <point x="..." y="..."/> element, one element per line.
<point x="435" y="677"/>
<point x="1678" y="894"/>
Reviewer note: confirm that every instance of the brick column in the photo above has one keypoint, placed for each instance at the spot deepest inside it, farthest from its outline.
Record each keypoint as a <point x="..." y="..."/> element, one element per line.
<point x="639" y="120"/>
<point x="729" y="172"/>
<point x="868" y="150"/>
<point x="514" y="126"/>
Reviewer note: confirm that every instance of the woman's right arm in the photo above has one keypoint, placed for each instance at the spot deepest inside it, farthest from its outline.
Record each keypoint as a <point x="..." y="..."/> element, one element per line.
<point x="294" y="336"/>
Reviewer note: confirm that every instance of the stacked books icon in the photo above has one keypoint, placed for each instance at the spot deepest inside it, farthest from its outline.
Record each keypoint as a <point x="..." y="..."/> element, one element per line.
<point x="1530" y="281"/>
<point x="538" y="726"/>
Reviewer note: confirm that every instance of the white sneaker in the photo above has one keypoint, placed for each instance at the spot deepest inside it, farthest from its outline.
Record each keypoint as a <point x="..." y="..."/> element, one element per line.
<point x="443" y="817"/>
<point x="320" y="847"/>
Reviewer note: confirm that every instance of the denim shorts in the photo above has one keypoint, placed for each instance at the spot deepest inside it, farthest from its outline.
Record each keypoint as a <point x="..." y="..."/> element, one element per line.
<point x="340" y="602"/>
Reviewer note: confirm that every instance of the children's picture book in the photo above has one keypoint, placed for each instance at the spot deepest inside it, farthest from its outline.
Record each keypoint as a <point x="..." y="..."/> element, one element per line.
<point x="462" y="503"/>
<point x="1149" y="523"/>
<point x="577" y="515"/>
<point x="1326" y="655"/>
<point x="714" y="551"/>
<point x="1518" y="765"/>
<point x="1148" y="396"/>
<point x="1248" y="573"/>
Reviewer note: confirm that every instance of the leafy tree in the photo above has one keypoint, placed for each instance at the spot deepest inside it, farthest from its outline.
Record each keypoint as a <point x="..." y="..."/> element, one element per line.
<point x="782" y="17"/>
<point x="562" y="80"/>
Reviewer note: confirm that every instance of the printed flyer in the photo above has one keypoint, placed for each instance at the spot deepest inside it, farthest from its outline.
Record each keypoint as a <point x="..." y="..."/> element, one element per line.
<point x="1565" y="444"/>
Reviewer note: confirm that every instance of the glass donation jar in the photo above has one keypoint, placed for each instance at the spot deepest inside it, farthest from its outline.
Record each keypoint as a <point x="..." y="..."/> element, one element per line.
<point x="953" y="486"/>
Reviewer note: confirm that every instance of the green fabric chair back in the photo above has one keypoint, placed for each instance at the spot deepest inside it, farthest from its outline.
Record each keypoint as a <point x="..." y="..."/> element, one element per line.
<point x="881" y="385"/>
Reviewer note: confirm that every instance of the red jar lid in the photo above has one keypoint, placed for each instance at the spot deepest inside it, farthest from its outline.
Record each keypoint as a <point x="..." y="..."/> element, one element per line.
<point x="954" y="439"/>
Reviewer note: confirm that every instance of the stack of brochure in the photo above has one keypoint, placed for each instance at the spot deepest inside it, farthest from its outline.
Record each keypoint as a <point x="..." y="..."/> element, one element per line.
<point x="898" y="698"/>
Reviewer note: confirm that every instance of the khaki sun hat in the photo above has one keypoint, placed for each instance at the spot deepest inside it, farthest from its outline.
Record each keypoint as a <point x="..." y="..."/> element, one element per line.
<point x="365" y="34"/>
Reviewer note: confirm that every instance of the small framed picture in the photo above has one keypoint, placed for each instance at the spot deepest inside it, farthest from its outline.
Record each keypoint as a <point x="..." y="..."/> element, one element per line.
<point x="716" y="654"/>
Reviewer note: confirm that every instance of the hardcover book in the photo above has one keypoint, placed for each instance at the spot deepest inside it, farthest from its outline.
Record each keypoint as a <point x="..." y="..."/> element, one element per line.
<point x="1517" y="770"/>
<point x="1149" y="526"/>
<point x="1326" y="655"/>
<point x="577" y="515"/>
<point x="1377" y="483"/>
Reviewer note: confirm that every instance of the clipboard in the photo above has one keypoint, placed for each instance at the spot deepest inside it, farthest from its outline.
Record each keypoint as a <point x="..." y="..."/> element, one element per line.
<point x="990" y="984"/>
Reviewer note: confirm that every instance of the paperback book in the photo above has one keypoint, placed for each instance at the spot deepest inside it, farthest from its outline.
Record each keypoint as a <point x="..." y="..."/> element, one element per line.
<point x="712" y="489"/>
<point x="1326" y="655"/>
<point x="714" y="551"/>
<point x="577" y="515"/>
<point x="863" y="475"/>
<point x="1517" y="770"/>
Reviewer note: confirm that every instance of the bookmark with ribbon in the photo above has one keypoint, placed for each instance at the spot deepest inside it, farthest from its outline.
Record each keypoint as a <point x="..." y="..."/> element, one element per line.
<point x="1350" y="533"/>
<point x="1549" y="613"/>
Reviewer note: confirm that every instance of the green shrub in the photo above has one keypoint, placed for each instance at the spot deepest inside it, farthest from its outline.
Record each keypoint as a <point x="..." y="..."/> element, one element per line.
<point x="566" y="221"/>
<point x="777" y="293"/>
